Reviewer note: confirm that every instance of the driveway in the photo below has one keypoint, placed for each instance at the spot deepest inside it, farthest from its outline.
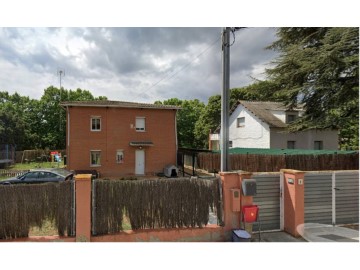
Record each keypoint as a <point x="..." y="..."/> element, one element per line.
<point x="315" y="232"/>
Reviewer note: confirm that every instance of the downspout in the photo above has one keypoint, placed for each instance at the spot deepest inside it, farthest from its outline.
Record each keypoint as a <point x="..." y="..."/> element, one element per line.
<point x="176" y="140"/>
<point x="68" y="132"/>
<point x="68" y="137"/>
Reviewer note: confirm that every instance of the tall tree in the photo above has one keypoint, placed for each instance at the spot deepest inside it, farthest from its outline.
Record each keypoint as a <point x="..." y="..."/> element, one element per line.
<point x="18" y="114"/>
<point x="53" y="119"/>
<point x="186" y="119"/>
<point x="319" y="68"/>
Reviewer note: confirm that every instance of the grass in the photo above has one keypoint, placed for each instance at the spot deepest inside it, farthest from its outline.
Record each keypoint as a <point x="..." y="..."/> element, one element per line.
<point x="48" y="229"/>
<point x="33" y="165"/>
<point x="36" y="165"/>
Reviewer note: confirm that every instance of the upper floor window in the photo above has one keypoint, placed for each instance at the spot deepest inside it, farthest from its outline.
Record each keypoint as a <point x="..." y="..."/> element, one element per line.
<point x="241" y="122"/>
<point x="290" y="118"/>
<point x="95" y="123"/>
<point x="140" y="124"/>
<point x="230" y="144"/>
<point x="318" y="145"/>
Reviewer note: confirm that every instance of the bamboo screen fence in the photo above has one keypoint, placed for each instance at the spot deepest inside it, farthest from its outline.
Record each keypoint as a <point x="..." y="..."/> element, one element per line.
<point x="24" y="206"/>
<point x="162" y="203"/>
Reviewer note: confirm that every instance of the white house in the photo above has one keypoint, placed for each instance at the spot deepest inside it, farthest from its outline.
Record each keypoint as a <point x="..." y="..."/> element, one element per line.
<point x="255" y="124"/>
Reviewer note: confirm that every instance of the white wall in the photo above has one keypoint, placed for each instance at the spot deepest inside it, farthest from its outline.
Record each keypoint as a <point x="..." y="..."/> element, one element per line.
<point x="304" y="139"/>
<point x="255" y="133"/>
<point x="280" y="114"/>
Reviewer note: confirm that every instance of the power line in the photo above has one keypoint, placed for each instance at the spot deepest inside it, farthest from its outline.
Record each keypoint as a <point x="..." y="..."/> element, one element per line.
<point x="182" y="68"/>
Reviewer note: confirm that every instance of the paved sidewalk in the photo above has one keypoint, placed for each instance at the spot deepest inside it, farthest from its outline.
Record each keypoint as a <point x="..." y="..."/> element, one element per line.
<point x="281" y="237"/>
<point x="315" y="232"/>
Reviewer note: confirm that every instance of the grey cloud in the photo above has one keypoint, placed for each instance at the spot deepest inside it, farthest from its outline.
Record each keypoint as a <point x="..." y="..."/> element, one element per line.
<point x="121" y="60"/>
<point x="130" y="48"/>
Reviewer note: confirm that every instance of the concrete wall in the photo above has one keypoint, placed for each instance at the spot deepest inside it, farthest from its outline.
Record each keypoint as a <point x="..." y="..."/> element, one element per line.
<point x="255" y="133"/>
<point x="117" y="131"/>
<point x="304" y="139"/>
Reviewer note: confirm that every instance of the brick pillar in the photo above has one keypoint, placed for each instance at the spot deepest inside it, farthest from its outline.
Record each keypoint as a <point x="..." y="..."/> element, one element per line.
<point x="230" y="183"/>
<point x="83" y="207"/>
<point x="245" y="200"/>
<point x="293" y="200"/>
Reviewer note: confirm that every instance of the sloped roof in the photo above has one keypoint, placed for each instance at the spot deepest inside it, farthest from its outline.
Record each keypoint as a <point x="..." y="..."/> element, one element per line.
<point x="117" y="104"/>
<point x="262" y="110"/>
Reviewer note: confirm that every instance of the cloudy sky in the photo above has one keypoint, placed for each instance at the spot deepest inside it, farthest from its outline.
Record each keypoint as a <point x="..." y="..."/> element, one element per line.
<point x="130" y="63"/>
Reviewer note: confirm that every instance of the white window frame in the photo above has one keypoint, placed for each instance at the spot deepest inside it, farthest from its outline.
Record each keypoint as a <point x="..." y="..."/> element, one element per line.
<point x="91" y="153"/>
<point x="140" y="129"/>
<point x="119" y="156"/>
<point x="238" y="124"/>
<point x="230" y="144"/>
<point x="91" y="123"/>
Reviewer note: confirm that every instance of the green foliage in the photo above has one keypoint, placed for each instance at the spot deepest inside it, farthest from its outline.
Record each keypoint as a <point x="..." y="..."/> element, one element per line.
<point x="186" y="119"/>
<point x="208" y="121"/>
<point x="319" y="67"/>
<point x="29" y="123"/>
<point x="14" y="115"/>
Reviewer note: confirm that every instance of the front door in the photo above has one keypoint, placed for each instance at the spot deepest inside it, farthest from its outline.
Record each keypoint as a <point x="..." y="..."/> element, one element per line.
<point x="139" y="162"/>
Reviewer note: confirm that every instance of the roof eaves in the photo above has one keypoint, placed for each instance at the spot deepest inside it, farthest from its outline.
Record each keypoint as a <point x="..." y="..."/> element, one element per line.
<point x="119" y="105"/>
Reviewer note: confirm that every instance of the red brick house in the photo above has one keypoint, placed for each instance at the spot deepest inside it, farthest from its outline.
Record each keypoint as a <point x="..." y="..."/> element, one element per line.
<point x="120" y="138"/>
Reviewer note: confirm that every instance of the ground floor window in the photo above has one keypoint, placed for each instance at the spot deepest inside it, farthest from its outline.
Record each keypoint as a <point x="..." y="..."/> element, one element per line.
<point x="120" y="156"/>
<point x="95" y="158"/>
<point x="290" y="144"/>
<point x="318" y="145"/>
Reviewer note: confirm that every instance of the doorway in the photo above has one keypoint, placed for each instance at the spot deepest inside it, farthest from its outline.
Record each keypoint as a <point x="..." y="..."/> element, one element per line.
<point x="139" y="162"/>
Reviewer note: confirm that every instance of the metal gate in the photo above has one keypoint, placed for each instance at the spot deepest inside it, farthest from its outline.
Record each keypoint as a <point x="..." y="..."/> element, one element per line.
<point x="332" y="197"/>
<point x="268" y="200"/>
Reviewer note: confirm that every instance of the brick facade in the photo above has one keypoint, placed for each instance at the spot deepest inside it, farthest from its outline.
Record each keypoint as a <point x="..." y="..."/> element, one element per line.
<point x="117" y="132"/>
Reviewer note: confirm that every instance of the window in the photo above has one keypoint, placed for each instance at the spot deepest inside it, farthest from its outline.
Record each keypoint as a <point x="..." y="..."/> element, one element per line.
<point x="47" y="175"/>
<point x="120" y="156"/>
<point x="140" y="124"/>
<point x="290" y="118"/>
<point x="318" y="145"/>
<point x="95" y="123"/>
<point x="241" y="122"/>
<point x="290" y="144"/>
<point x="31" y="175"/>
<point x="95" y="157"/>
<point x="230" y="144"/>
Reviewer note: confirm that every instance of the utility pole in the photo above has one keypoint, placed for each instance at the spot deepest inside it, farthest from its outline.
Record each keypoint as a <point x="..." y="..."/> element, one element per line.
<point x="224" y="136"/>
<point x="61" y="73"/>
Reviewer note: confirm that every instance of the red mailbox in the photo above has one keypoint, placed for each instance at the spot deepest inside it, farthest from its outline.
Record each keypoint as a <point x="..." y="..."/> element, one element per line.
<point x="250" y="213"/>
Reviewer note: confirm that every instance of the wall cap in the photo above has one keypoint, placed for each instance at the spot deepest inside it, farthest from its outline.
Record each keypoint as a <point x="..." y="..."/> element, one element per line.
<point x="244" y="172"/>
<point x="83" y="177"/>
<point x="228" y="173"/>
<point x="291" y="171"/>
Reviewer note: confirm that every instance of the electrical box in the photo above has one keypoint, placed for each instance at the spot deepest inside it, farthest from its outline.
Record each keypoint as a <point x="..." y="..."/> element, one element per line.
<point x="235" y="200"/>
<point x="249" y="187"/>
